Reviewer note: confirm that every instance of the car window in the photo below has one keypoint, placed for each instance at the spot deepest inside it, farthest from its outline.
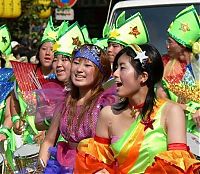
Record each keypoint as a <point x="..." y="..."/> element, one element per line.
<point x="157" y="19"/>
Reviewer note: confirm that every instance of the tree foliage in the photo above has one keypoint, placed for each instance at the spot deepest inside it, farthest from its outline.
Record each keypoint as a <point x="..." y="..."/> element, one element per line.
<point x="28" y="26"/>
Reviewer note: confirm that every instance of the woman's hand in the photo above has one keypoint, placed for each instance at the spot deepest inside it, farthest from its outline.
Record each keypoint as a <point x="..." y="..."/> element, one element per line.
<point x="2" y="137"/>
<point x="18" y="127"/>
<point x="39" y="138"/>
<point x="40" y="167"/>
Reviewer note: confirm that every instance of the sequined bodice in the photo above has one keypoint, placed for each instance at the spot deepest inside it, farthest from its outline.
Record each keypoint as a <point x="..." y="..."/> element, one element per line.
<point x="88" y="125"/>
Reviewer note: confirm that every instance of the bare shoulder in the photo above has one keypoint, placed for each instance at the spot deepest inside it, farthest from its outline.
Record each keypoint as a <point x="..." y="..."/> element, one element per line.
<point x="106" y="112"/>
<point x="175" y="123"/>
<point x="173" y="112"/>
<point x="173" y="106"/>
<point x="104" y="122"/>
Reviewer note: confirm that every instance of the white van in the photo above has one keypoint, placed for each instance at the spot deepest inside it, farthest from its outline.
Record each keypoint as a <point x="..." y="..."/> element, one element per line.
<point x="157" y="14"/>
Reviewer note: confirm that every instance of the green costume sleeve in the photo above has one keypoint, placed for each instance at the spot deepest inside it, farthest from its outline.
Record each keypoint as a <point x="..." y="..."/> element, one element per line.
<point x="169" y="93"/>
<point x="191" y="108"/>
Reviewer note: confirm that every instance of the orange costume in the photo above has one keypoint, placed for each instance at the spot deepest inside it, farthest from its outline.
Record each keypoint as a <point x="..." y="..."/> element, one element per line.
<point x="142" y="149"/>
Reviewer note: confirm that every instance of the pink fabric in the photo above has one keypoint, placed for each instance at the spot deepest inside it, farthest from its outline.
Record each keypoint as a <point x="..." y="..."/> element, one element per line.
<point x="114" y="139"/>
<point x="49" y="100"/>
<point x="66" y="154"/>
<point x="86" y="128"/>
<point x="53" y="84"/>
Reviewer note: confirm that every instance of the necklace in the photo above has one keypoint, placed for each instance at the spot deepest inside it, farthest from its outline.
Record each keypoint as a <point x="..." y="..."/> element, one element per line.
<point x="135" y="108"/>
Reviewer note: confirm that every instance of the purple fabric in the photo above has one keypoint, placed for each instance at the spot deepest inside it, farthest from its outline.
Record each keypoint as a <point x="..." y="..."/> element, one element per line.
<point x="66" y="154"/>
<point x="64" y="161"/>
<point x="49" y="100"/>
<point x="86" y="129"/>
<point x="54" y="167"/>
<point x="42" y="102"/>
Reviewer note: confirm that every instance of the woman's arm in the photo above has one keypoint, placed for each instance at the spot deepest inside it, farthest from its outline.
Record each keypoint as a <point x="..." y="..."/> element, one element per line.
<point x="7" y="121"/>
<point x="50" y="139"/>
<point x="177" y="159"/>
<point x="15" y="111"/>
<point x="175" y="124"/>
<point x="196" y="118"/>
<point x="94" y="154"/>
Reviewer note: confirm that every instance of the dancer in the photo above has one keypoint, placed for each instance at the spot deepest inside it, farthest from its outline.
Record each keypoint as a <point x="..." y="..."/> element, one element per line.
<point x="49" y="99"/>
<point x="140" y="134"/>
<point x="42" y="73"/>
<point x="76" y="118"/>
<point x="124" y="32"/>
<point x="182" y="66"/>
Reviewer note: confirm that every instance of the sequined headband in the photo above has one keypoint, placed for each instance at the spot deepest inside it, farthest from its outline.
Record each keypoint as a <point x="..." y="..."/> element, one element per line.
<point x="91" y="53"/>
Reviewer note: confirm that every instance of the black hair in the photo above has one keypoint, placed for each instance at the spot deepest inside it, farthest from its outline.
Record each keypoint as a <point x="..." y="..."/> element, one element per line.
<point x="37" y="56"/>
<point x="153" y="66"/>
<point x="22" y="51"/>
<point x="2" y="60"/>
<point x="96" y="90"/>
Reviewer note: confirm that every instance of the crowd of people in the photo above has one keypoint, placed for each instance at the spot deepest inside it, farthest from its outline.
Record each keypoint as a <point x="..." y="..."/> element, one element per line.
<point x="107" y="105"/>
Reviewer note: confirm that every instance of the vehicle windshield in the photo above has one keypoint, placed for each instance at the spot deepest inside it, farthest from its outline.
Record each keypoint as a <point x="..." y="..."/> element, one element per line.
<point x="157" y="19"/>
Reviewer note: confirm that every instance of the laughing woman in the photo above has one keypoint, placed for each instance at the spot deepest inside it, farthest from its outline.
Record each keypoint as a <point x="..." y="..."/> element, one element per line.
<point x="49" y="98"/>
<point x="140" y="130"/>
<point x="76" y="119"/>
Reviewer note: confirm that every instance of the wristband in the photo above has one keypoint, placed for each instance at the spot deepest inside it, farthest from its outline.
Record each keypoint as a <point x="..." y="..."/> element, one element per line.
<point x="178" y="146"/>
<point x="5" y="131"/>
<point x="15" y="118"/>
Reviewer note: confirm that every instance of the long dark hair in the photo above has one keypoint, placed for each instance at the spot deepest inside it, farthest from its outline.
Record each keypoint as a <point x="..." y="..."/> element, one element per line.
<point x="154" y="67"/>
<point x="96" y="90"/>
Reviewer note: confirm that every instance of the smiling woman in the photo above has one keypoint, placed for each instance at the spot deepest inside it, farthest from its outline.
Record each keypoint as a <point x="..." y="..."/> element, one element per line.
<point x="39" y="77"/>
<point x="62" y="66"/>
<point x="140" y="134"/>
<point x="76" y="118"/>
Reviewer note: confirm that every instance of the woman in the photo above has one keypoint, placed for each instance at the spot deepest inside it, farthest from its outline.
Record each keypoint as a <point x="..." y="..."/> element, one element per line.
<point x="6" y="132"/>
<point x="137" y="131"/>
<point x="182" y="68"/>
<point x="18" y="106"/>
<point x="78" y="115"/>
<point x="45" y="56"/>
<point x="62" y="67"/>
<point x="49" y="99"/>
<point x="41" y="74"/>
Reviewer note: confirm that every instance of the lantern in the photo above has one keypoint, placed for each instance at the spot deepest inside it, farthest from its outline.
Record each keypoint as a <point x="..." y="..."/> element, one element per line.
<point x="1" y="7"/>
<point x="10" y="8"/>
<point x="44" y="13"/>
